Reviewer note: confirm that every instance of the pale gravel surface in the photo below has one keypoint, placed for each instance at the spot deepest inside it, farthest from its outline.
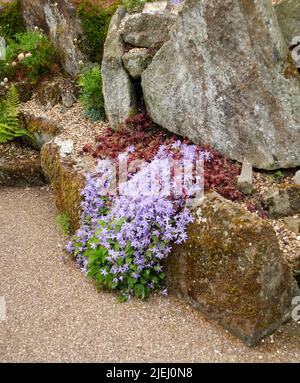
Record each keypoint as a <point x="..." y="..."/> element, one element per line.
<point x="56" y="315"/>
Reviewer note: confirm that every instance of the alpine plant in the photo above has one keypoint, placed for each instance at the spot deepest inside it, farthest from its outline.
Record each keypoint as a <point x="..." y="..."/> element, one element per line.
<point x="126" y="236"/>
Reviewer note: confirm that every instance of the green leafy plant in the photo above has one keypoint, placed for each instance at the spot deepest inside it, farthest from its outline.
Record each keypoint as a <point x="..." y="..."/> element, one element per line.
<point x="11" y="20"/>
<point x="277" y="176"/>
<point x="135" y="5"/>
<point x="91" y="97"/>
<point x="95" y="22"/>
<point x="63" y="221"/>
<point x="30" y="55"/>
<point x="9" y="117"/>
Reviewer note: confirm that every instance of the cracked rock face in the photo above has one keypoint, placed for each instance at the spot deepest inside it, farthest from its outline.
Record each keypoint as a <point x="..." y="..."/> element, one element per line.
<point x="223" y="78"/>
<point x="118" y="89"/>
<point x="145" y="31"/>
<point x="59" y="21"/>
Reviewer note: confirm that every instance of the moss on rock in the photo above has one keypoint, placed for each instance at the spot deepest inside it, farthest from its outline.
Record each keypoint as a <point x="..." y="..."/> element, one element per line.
<point x="231" y="269"/>
<point x="66" y="181"/>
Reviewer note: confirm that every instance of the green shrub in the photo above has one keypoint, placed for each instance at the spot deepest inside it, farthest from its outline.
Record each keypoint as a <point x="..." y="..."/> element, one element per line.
<point x="91" y="97"/>
<point x="9" y="117"/>
<point x="135" y="5"/>
<point x="39" y="56"/>
<point x="63" y="221"/>
<point x="95" y="22"/>
<point x="11" y="21"/>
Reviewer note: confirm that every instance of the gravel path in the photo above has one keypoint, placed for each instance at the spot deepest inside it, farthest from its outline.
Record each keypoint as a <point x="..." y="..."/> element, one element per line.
<point x="54" y="314"/>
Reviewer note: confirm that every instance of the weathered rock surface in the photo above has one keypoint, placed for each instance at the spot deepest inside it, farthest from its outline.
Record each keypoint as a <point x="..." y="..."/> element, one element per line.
<point x="118" y="91"/>
<point x="20" y="166"/>
<point x="293" y="224"/>
<point x="148" y="30"/>
<point x="222" y="78"/>
<point x="282" y="201"/>
<point x="49" y="93"/>
<point x="232" y="270"/>
<point x="67" y="180"/>
<point x="41" y="130"/>
<point x="136" y="61"/>
<point x="288" y="15"/>
<point x="245" y="184"/>
<point x="59" y="21"/>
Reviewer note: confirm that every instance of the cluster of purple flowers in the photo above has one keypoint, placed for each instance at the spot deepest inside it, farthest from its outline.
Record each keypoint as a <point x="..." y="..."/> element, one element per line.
<point x="124" y="239"/>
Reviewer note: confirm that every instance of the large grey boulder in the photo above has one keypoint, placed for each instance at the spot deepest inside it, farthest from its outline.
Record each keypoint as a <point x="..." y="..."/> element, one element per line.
<point x="288" y="14"/>
<point x="118" y="90"/>
<point x="232" y="270"/>
<point x="59" y="21"/>
<point x="148" y="30"/>
<point x="222" y="78"/>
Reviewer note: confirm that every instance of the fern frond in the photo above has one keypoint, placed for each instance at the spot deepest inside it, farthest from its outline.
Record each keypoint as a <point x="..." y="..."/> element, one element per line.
<point x="9" y="117"/>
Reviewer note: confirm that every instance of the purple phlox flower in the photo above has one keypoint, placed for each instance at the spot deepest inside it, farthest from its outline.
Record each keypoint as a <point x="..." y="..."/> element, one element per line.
<point x="94" y="245"/>
<point x="151" y="285"/>
<point x="135" y="275"/>
<point x="115" y="280"/>
<point x="164" y="292"/>
<point x="104" y="272"/>
<point x="69" y="247"/>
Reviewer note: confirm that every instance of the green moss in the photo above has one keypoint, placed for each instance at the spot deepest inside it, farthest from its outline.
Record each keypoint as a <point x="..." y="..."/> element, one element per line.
<point x="66" y="182"/>
<point x="135" y="5"/>
<point x="63" y="221"/>
<point x="11" y="20"/>
<point x="95" y="22"/>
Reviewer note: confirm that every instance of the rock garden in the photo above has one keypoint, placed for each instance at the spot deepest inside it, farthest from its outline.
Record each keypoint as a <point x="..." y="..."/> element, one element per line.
<point x="168" y="135"/>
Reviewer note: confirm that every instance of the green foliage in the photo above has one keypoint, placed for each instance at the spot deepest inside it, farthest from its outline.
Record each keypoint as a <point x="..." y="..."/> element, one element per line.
<point x="9" y="113"/>
<point x="11" y="21"/>
<point x="39" y="56"/>
<point x="95" y="22"/>
<point x="277" y="176"/>
<point x="91" y="97"/>
<point x="63" y="221"/>
<point x="135" y="5"/>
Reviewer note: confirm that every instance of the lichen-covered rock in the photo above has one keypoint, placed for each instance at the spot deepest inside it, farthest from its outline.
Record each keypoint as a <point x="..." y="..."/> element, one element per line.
<point x="223" y="78"/>
<point x="20" y="166"/>
<point x="136" y="61"/>
<point x="49" y="93"/>
<point x="67" y="180"/>
<point x="59" y="21"/>
<point x="118" y="90"/>
<point x="282" y="201"/>
<point x="288" y="15"/>
<point x="232" y="270"/>
<point x="40" y="129"/>
<point x="148" y="30"/>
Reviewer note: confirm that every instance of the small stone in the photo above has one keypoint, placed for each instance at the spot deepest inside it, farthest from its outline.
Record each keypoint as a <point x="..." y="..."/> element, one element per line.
<point x="245" y="179"/>
<point x="292" y="224"/>
<point x="297" y="178"/>
<point x="136" y="61"/>
<point x="282" y="201"/>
